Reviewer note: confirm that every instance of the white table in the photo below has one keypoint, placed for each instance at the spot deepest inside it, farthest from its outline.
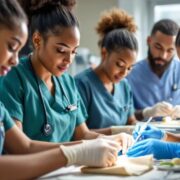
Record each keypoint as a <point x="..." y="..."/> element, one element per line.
<point x="73" y="173"/>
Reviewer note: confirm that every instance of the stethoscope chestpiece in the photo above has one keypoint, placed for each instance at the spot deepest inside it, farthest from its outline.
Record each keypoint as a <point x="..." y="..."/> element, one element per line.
<point x="174" y="87"/>
<point x="47" y="129"/>
<point x="71" y="107"/>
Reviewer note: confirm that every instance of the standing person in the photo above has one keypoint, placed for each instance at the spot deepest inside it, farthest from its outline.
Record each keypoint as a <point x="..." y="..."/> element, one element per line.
<point x="106" y="94"/>
<point x="42" y="157"/>
<point x="44" y="101"/>
<point x="154" y="80"/>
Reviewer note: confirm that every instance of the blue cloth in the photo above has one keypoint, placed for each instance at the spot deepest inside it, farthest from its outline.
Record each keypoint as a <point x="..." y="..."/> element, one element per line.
<point x="148" y="89"/>
<point x="20" y="95"/>
<point x="5" y="124"/>
<point x="104" y="109"/>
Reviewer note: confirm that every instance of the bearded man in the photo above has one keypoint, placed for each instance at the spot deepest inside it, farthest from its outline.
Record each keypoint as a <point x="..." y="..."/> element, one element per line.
<point x="155" y="81"/>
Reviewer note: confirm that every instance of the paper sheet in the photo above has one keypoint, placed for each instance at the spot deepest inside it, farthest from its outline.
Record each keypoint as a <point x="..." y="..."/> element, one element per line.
<point x="125" y="166"/>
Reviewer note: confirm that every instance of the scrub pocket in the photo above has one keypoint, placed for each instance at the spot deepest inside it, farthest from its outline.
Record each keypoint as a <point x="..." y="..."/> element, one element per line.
<point x="2" y="134"/>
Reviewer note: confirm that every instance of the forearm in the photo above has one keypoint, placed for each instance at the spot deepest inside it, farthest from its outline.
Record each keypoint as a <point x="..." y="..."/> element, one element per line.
<point x="172" y="137"/>
<point x="139" y="115"/>
<point x="132" y="120"/>
<point x="90" y="135"/>
<point x="31" y="166"/>
<point x="38" y="146"/>
<point x="105" y="131"/>
<point x="83" y="132"/>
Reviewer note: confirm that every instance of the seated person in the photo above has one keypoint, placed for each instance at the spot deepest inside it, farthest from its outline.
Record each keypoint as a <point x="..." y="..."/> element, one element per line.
<point x="44" y="101"/>
<point x="28" y="159"/>
<point x="105" y="93"/>
<point x="155" y="80"/>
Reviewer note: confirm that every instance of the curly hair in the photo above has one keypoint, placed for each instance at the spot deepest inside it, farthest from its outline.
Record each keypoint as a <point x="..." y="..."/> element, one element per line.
<point x="117" y="27"/>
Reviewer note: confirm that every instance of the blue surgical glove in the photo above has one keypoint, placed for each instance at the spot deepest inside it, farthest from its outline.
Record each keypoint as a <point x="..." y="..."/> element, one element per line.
<point x="149" y="132"/>
<point x="160" y="149"/>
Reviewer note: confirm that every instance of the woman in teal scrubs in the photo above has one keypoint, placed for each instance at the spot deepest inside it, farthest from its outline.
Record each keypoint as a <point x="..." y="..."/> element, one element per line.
<point x="106" y="94"/>
<point x="44" y="101"/>
<point x="31" y="159"/>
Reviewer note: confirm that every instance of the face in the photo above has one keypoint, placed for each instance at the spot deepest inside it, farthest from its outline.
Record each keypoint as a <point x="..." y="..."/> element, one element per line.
<point x="118" y="64"/>
<point x="11" y="43"/>
<point x="161" y="50"/>
<point x="57" y="52"/>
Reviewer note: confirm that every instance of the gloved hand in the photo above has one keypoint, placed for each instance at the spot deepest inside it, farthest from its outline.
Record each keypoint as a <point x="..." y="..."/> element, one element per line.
<point x="176" y="112"/>
<point x="97" y="152"/>
<point x="125" y="140"/>
<point x="149" y="132"/>
<point x="159" y="109"/>
<point x="160" y="149"/>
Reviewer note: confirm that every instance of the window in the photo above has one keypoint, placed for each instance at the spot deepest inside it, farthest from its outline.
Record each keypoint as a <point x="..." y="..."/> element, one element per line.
<point x="170" y="11"/>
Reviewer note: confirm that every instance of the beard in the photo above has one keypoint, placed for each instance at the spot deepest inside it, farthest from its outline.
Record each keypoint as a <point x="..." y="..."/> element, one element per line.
<point x="157" y="63"/>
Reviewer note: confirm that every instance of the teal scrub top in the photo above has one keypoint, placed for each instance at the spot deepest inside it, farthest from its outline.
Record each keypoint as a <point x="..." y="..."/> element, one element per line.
<point x="104" y="109"/>
<point x="6" y="123"/>
<point x="20" y="95"/>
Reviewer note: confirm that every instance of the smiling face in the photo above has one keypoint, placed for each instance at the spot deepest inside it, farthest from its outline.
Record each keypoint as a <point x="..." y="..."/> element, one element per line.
<point x="57" y="52"/>
<point x="161" y="50"/>
<point x="118" y="64"/>
<point x="11" y="43"/>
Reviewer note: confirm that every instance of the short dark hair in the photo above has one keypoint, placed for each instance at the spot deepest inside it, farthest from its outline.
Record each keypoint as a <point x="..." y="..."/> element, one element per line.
<point x="11" y="14"/>
<point x="177" y="43"/>
<point x="166" y="26"/>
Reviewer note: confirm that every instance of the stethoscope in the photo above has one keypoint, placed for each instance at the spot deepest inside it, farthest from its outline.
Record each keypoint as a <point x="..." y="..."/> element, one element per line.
<point x="175" y="86"/>
<point x="47" y="128"/>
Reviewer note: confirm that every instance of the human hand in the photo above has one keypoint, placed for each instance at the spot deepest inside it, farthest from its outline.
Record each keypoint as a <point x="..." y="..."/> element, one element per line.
<point x="160" y="149"/>
<point x="149" y="132"/>
<point x="125" y="140"/>
<point x="97" y="152"/>
<point x="159" y="109"/>
<point x="176" y="112"/>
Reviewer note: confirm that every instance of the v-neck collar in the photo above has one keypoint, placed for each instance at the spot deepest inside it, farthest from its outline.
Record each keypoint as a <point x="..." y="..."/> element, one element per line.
<point x="154" y="76"/>
<point x="101" y="86"/>
<point x="46" y="92"/>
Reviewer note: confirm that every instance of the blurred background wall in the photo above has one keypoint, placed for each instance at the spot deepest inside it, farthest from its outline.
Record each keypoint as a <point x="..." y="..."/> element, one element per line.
<point x="145" y="12"/>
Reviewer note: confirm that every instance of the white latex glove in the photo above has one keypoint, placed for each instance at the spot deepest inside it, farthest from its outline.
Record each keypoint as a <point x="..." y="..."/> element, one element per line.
<point x="125" y="140"/>
<point x="176" y="112"/>
<point x="159" y="109"/>
<point x="98" y="153"/>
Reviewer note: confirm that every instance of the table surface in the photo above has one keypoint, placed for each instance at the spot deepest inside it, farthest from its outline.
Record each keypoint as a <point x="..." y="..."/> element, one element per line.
<point x="73" y="172"/>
